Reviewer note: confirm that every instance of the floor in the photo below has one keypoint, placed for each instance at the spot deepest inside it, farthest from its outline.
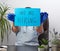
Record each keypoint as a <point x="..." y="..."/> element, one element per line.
<point x="4" y="49"/>
<point x="12" y="48"/>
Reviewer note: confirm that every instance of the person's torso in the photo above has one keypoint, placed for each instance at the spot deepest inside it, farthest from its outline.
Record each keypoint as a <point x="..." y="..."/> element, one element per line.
<point x="27" y="36"/>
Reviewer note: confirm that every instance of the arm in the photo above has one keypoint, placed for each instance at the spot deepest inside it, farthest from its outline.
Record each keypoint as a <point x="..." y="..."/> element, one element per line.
<point x="40" y="29"/>
<point x="15" y="28"/>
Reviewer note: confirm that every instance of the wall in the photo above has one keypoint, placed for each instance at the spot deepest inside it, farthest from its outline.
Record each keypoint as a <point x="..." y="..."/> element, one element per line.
<point x="50" y="6"/>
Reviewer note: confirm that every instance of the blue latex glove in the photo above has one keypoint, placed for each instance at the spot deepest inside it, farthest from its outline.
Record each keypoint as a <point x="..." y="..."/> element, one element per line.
<point x="44" y="16"/>
<point x="11" y="16"/>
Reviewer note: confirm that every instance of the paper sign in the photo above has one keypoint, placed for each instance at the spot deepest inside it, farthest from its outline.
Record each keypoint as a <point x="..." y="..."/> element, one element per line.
<point x="27" y="17"/>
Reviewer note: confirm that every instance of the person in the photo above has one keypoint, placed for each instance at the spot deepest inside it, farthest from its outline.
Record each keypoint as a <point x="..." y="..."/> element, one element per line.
<point x="27" y="38"/>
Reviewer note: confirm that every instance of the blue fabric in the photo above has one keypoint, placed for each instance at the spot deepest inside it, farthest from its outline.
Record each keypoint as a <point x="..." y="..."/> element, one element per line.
<point x="11" y="16"/>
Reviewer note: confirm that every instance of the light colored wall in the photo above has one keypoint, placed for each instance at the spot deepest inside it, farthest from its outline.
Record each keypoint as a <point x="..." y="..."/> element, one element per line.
<point x="50" y="6"/>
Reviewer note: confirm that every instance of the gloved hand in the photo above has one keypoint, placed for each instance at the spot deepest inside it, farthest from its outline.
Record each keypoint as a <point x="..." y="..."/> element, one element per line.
<point x="44" y="16"/>
<point x="11" y="17"/>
